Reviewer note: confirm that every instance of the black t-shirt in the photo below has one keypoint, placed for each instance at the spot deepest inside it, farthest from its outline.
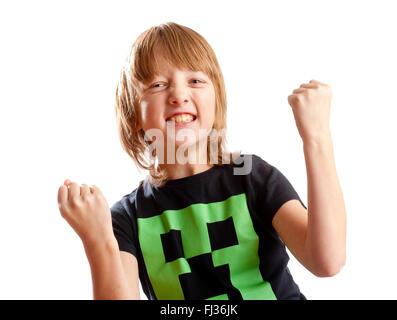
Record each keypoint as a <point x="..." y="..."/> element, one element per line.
<point x="209" y="235"/>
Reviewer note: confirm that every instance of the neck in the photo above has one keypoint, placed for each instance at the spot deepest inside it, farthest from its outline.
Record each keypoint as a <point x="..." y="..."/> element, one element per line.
<point x="179" y="165"/>
<point x="177" y="171"/>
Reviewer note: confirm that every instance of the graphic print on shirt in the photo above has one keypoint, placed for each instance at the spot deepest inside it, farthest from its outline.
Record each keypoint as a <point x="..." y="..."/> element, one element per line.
<point x="204" y="251"/>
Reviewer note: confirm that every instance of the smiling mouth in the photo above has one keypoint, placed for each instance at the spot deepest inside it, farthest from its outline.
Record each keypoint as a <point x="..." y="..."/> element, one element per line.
<point x="182" y="118"/>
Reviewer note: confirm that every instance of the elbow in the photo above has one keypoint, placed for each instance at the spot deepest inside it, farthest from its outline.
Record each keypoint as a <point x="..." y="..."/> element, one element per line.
<point x="330" y="269"/>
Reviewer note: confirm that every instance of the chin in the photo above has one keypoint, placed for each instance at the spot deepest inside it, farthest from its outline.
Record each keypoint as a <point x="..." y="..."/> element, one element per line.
<point x="187" y="143"/>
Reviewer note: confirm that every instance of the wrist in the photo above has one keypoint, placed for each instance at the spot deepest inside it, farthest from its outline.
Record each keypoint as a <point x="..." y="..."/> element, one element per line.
<point x="99" y="247"/>
<point x="324" y="139"/>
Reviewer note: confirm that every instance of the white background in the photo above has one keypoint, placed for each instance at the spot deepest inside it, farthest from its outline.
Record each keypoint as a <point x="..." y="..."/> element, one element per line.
<point x="59" y="66"/>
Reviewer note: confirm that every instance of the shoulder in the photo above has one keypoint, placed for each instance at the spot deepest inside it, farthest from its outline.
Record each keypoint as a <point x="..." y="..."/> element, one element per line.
<point x="268" y="183"/>
<point x="253" y="167"/>
<point x="126" y="205"/>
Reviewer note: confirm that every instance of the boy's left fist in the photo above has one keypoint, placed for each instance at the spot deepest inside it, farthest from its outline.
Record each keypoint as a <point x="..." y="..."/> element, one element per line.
<point x="311" y="104"/>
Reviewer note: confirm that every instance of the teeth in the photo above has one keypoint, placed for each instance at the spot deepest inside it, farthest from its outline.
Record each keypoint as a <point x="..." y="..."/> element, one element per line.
<point x="182" y="118"/>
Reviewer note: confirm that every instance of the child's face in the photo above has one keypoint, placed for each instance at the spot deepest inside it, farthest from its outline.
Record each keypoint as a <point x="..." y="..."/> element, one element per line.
<point x="178" y="91"/>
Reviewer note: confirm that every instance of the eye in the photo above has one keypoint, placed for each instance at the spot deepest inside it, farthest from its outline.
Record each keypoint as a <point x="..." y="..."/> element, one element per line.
<point x="156" y="85"/>
<point x="199" y="81"/>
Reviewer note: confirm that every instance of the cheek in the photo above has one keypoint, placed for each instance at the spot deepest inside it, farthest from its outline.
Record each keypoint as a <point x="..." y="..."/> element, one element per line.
<point x="144" y="110"/>
<point x="207" y="110"/>
<point x="150" y="114"/>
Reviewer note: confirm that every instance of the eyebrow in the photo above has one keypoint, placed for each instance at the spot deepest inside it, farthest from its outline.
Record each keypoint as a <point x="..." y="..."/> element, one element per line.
<point x="202" y="74"/>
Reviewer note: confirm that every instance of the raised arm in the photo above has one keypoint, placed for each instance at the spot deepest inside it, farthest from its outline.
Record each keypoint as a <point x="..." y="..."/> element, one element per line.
<point x="114" y="275"/>
<point x="326" y="232"/>
<point x="316" y="237"/>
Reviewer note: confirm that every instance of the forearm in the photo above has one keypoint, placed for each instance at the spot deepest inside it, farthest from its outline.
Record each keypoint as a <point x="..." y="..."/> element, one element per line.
<point x="108" y="277"/>
<point x="326" y="232"/>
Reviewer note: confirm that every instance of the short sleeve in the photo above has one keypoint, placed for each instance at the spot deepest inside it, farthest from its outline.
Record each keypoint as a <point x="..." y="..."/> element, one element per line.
<point x="271" y="188"/>
<point x="123" y="228"/>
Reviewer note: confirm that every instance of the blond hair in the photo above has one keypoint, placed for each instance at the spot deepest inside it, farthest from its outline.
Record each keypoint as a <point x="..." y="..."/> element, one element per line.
<point x="183" y="48"/>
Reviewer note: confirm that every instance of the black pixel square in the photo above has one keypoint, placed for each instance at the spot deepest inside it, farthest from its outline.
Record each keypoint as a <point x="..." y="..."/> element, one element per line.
<point x="206" y="281"/>
<point x="172" y="245"/>
<point x="222" y="234"/>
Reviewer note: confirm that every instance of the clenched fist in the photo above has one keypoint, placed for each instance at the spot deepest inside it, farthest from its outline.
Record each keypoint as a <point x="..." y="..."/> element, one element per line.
<point x="87" y="211"/>
<point x="311" y="104"/>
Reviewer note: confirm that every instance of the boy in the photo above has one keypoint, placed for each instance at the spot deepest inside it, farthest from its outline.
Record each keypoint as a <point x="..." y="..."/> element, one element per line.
<point x="198" y="228"/>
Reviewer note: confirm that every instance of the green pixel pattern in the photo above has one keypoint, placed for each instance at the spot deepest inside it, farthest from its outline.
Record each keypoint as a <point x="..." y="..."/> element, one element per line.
<point x="243" y="259"/>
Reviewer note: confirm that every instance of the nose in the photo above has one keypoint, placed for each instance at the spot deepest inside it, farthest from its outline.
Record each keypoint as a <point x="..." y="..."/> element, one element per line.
<point x="178" y="96"/>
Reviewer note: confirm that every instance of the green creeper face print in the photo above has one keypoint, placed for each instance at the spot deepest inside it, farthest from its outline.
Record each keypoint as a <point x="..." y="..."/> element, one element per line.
<point x="204" y="251"/>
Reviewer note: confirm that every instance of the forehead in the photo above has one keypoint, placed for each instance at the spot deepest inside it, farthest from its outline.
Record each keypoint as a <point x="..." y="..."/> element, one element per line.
<point x="167" y="67"/>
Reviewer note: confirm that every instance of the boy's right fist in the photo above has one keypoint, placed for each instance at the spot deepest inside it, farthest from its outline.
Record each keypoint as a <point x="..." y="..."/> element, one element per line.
<point x="87" y="212"/>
